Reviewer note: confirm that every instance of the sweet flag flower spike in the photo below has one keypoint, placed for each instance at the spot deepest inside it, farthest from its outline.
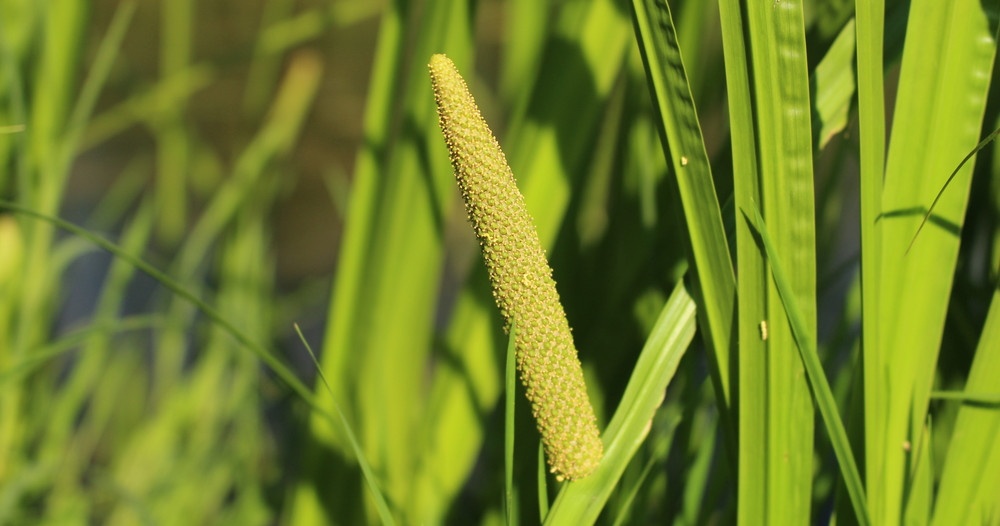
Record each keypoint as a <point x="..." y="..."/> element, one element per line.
<point x="522" y="280"/>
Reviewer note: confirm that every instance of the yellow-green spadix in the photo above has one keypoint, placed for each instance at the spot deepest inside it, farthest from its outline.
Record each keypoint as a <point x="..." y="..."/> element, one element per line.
<point x="522" y="280"/>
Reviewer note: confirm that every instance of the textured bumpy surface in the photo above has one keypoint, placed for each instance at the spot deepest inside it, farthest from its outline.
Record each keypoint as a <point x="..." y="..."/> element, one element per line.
<point x="522" y="280"/>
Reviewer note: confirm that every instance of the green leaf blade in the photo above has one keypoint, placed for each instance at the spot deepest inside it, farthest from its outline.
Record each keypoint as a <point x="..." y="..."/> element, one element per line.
<point x="944" y="80"/>
<point x="784" y="149"/>
<point x="683" y="144"/>
<point x="970" y="481"/>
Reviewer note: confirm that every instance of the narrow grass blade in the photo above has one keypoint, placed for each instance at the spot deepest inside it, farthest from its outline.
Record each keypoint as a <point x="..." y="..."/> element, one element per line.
<point x="510" y="384"/>
<point x="543" y="485"/>
<point x="870" y="17"/>
<point x="683" y="144"/>
<point x="930" y="209"/>
<point x="581" y="502"/>
<point x="821" y="393"/>
<point x="380" y="503"/>
<point x="750" y="455"/>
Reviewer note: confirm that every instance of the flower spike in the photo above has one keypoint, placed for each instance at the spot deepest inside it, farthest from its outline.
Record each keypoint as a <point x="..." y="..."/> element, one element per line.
<point x="522" y="280"/>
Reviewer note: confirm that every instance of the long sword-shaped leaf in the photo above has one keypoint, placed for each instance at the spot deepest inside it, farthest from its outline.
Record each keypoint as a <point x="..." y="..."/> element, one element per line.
<point x="784" y="153"/>
<point x="944" y="79"/>
<point x="871" y="122"/>
<point x="752" y="284"/>
<point x="682" y="141"/>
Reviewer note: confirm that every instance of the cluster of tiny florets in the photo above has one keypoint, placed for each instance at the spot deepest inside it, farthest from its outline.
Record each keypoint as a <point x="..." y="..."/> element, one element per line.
<point x="522" y="280"/>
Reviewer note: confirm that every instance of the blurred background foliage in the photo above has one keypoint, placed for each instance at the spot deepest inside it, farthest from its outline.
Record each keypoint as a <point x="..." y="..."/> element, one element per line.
<point x="281" y="161"/>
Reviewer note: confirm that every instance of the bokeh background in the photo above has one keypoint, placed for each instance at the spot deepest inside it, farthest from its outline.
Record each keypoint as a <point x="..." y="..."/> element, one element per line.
<point x="279" y="162"/>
